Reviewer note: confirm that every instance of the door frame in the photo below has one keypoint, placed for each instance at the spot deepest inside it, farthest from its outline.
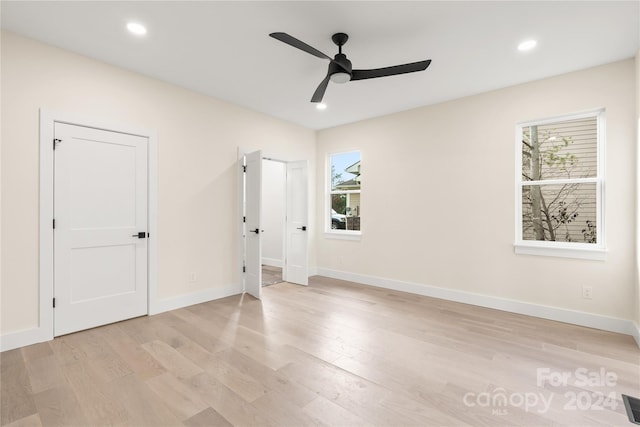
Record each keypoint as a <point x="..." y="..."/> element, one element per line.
<point x="47" y="120"/>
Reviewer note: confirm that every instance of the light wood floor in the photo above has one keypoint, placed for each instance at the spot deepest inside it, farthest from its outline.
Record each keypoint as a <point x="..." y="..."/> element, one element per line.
<point x="271" y="275"/>
<point x="334" y="353"/>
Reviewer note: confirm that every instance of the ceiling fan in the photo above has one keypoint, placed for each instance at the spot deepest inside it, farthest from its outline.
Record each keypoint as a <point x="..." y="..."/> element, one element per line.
<point x="340" y="69"/>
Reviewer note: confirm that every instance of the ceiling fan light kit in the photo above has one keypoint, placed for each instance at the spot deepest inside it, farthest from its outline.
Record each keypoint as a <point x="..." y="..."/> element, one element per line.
<point x="340" y="68"/>
<point x="340" y="77"/>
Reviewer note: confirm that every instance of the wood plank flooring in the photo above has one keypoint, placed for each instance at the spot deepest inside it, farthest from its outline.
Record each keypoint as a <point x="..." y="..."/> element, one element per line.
<point x="271" y="275"/>
<point x="331" y="354"/>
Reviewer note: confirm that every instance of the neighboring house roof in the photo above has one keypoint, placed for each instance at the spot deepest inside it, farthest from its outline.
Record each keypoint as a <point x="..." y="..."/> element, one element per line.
<point x="349" y="185"/>
<point x="354" y="168"/>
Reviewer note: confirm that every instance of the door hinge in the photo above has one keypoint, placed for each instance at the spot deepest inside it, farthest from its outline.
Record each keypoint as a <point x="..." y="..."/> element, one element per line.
<point x="244" y="269"/>
<point x="54" y="224"/>
<point x="54" y="303"/>
<point x="244" y="168"/>
<point x="244" y="219"/>
<point x="56" y="141"/>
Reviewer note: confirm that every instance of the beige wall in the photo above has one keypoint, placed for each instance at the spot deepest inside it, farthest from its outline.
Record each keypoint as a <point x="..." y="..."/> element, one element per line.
<point x="197" y="141"/>
<point x="458" y="159"/>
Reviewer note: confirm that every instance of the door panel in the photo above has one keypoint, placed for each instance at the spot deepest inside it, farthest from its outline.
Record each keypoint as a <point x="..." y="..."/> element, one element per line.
<point x="253" y="232"/>
<point x="100" y="202"/>
<point x="102" y="182"/>
<point x="102" y="272"/>
<point x="296" y="268"/>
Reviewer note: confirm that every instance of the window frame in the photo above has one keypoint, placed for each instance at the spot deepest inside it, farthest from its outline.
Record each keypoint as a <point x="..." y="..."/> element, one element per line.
<point x="593" y="251"/>
<point x="328" y="231"/>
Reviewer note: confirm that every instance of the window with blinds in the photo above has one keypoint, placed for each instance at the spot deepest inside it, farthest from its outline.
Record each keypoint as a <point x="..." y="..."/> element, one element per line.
<point x="559" y="180"/>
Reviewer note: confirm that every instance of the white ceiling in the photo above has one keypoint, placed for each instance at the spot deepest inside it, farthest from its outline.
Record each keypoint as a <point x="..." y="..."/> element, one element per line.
<point x="222" y="49"/>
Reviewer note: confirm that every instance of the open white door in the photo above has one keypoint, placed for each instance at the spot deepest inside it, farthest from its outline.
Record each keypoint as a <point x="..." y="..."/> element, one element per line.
<point x="253" y="212"/>
<point x="296" y="268"/>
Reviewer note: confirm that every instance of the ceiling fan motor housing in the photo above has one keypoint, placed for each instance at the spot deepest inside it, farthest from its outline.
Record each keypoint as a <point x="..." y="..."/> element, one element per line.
<point x="340" y="69"/>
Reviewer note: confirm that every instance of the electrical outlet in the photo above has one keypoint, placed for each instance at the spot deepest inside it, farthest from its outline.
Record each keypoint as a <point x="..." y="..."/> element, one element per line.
<point x="192" y="277"/>
<point x="587" y="292"/>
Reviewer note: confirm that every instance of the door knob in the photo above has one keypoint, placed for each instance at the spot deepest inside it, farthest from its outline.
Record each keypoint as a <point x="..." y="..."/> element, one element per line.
<point x="257" y="231"/>
<point x="303" y="228"/>
<point x="140" y="235"/>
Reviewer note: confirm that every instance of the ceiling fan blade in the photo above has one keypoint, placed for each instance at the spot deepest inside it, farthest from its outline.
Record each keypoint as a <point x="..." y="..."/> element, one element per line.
<point x="322" y="87"/>
<point x="292" y="41"/>
<point x="390" y="71"/>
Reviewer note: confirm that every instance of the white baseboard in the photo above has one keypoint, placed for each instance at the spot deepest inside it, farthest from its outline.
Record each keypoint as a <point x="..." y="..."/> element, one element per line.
<point x="38" y="334"/>
<point x="580" y="318"/>
<point x="162" y="305"/>
<point x="272" y="262"/>
<point x="35" y="335"/>
<point x="24" y="338"/>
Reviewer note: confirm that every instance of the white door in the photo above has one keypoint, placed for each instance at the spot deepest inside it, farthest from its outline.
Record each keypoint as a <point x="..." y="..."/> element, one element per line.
<point x="296" y="268"/>
<point x="100" y="207"/>
<point x="253" y="212"/>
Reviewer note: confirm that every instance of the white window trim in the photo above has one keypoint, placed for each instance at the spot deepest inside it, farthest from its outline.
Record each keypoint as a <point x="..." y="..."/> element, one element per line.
<point x="328" y="231"/>
<point x="589" y="251"/>
<point x="343" y="235"/>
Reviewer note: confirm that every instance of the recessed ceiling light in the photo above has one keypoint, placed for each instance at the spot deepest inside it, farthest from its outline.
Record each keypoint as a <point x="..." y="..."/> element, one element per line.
<point x="321" y="106"/>
<point x="136" y="28"/>
<point x="527" y="45"/>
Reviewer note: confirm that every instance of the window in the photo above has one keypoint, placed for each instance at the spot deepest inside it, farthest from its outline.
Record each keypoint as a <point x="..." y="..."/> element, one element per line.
<point x="559" y="186"/>
<point x="344" y="193"/>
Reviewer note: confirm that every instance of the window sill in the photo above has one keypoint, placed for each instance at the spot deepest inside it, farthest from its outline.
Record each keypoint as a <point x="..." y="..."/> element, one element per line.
<point x="343" y="235"/>
<point x="566" y="251"/>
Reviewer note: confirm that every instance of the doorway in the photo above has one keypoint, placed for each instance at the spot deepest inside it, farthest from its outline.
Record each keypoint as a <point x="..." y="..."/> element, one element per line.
<point x="273" y="220"/>
<point x="294" y="223"/>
